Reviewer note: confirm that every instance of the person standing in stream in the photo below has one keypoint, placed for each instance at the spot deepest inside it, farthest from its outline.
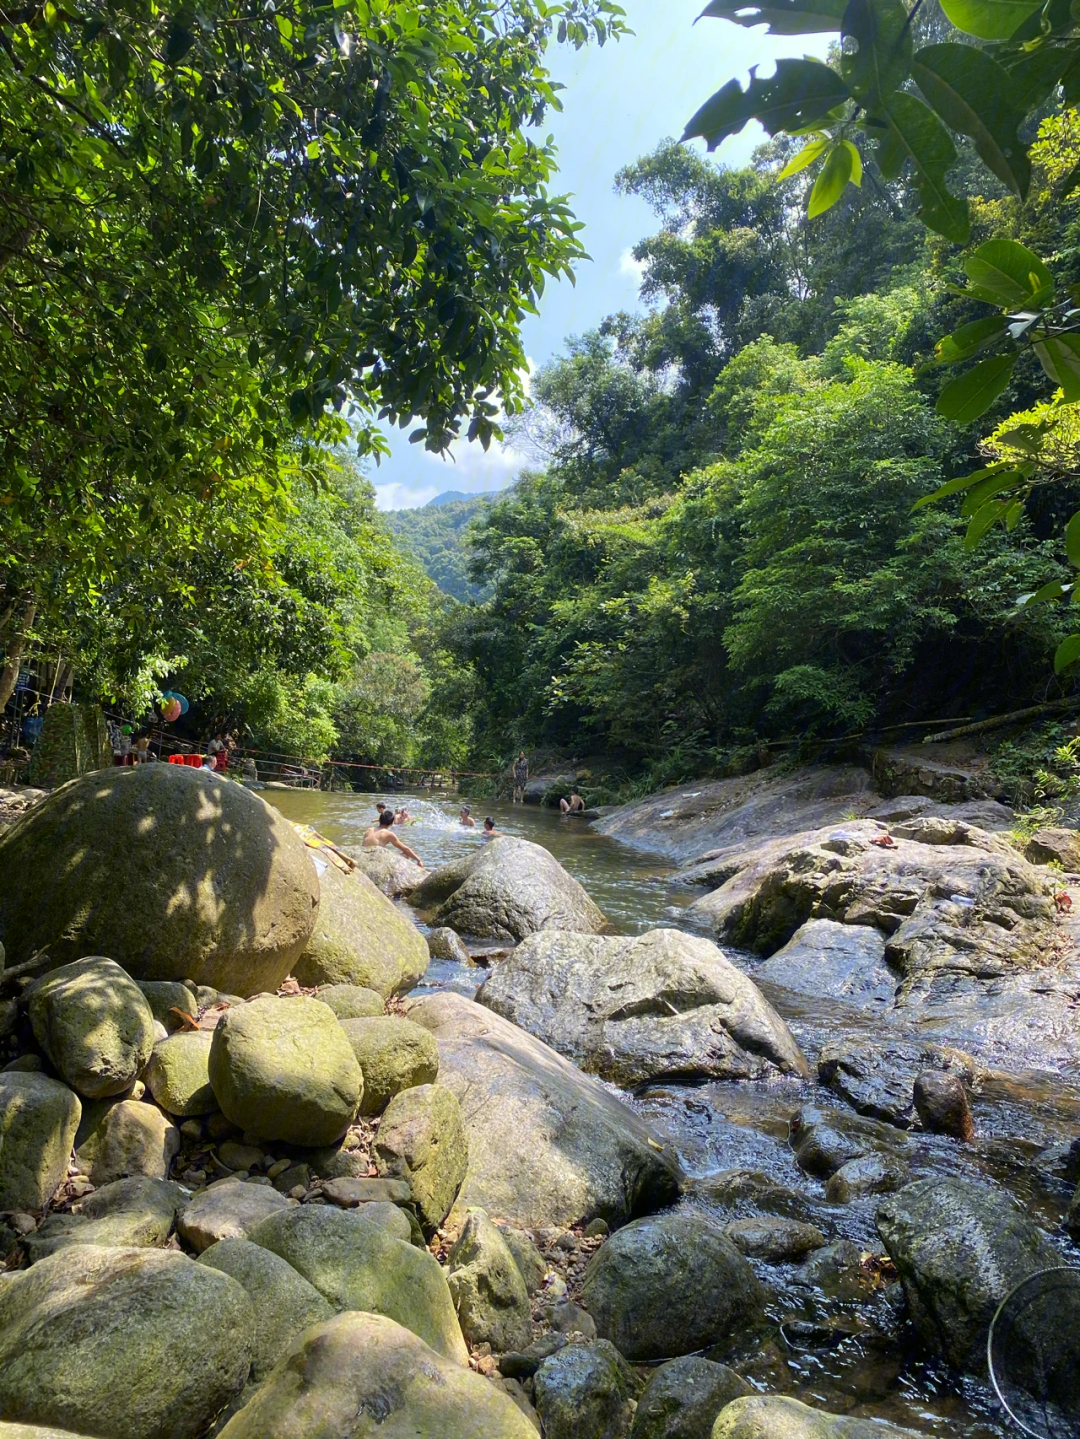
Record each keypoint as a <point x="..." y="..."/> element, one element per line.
<point x="521" y="778"/>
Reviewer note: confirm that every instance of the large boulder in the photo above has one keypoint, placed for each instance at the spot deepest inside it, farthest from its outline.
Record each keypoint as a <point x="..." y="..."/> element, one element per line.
<point x="352" y="1001"/>
<point x="959" y="1249"/>
<point x="509" y="889"/>
<point x="548" y="1145"/>
<point x="172" y="873"/>
<point x="772" y="1416"/>
<point x="140" y="1342"/>
<point x="361" y="1374"/>
<point x="361" y="938"/>
<point x="388" y="869"/>
<point x="284" y="1069"/>
<point x="488" y="1288"/>
<point x="132" y="1138"/>
<point x="229" y="1209"/>
<point x="136" y="1212"/>
<point x="669" y="1285"/>
<point x="95" y="1025"/>
<point x="39" y="1119"/>
<point x="393" y="1054"/>
<point x="284" y="1303"/>
<point x="178" y="1074"/>
<point x="422" y="1140"/>
<point x="683" y="1398"/>
<point x="632" y="1008"/>
<point x="358" y="1259"/>
<point x="585" y="1391"/>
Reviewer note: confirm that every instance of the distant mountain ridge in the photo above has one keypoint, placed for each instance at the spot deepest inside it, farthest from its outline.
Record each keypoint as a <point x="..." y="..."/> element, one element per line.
<point x="434" y="535"/>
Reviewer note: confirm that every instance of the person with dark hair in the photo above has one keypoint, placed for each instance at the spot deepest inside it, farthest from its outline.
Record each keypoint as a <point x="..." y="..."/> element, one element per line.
<point x="382" y="833"/>
<point x="575" y="804"/>
<point x="521" y="778"/>
<point x="490" y="832"/>
<point x="466" y="818"/>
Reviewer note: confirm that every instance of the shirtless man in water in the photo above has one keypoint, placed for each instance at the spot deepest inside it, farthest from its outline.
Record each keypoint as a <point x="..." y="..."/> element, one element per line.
<point x="382" y="833"/>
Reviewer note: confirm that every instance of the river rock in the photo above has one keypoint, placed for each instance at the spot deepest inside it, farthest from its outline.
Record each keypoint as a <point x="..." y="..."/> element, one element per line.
<point x="548" y="1145"/>
<point x="335" y="1378"/>
<point x="388" y="869"/>
<point x="877" y="1077"/>
<point x="284" y="1069"/>
<point x="954" y="902"/>
<point x="139" y="1342"/>
<point x="585" y="1391"/>
<point x="670" y="1284"/>
<point x="942" y="1105"/>
<point x="632" y="1008"/>
<point x="1072" y="1216"/>
<point x="94" y="1024"/>
<point x="39" y="1118"/>
<point x="357" y="1259"/>
<point x="772" y="1239"/>
<point x="833" y="961"/>
<point x="284" y="1304"/>
<point x="34" y="1431"/>
<point x="959" y="1249"/>
<point x="133" y="1138"/>
<point x="488" y="1289"/>
<point x="508" y="889"/>
<point x="750" y="1194"/>
<point x="530" y="1262"/>
<point x="820" y="1148"/>
<point x="683" y="1398"/>
<point x="167" y="997"/>
<point x="866" y="1174"/>
<point x="773" y="1416"/>
<point x="352" y="1001"/>
<point x="443" y="943"/>
<point x="169" y="871"/>
<point x="1054" y="846"/>
<point x="393" y="1054"/>
<point x="229" y="1209"/>
<point x="136" y="1212"/>
<point x="178" y="1074"/>
<point x="360" y="938"/>
<point x="422" y="1140"/>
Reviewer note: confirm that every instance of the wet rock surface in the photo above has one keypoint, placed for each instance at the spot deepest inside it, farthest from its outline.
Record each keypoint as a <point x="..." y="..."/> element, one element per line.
<point x="683" y="1398"/>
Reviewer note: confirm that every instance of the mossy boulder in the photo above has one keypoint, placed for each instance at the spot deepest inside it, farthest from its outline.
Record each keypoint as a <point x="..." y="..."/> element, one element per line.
<point x="169" y="1000"/>
<point x="178" y="1074"/>
<point x="683" y="1398"/>
<point x="172" y="873"/>
<point x="129" y="1213"/>
<point x="352" y="1001"/>
<point x="489" y="1291"/>
<point x="140" y="1342"/>
<point x="360" y="1259"/>
<point x="284" y="1069"/>
<point x="95" y="1025"/>
<point x="394" y="1054"/>
<point x="39" y="1118"/>
<point x="422" y="1140"/>
<point x="774" y="1416"/>
<point x="131" y="1137"/>
<point x="360" y="938"/>
<point x="335" y="1378"/>
<point x="229" y="1209"/>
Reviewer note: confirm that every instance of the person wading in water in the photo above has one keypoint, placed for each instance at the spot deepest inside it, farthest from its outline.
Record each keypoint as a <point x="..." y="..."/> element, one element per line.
<point x="382" y="833"/>
<point x="521" y="778"/>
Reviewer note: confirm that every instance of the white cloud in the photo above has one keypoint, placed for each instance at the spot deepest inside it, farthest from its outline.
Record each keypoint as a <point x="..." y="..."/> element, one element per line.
<point x="633" y="269"/>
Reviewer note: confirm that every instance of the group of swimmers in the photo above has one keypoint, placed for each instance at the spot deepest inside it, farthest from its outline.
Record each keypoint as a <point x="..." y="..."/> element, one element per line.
<point x="382" y="833"/>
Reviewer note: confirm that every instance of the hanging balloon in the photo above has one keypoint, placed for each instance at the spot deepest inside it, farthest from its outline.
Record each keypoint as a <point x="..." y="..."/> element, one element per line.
<point x="185" y="704"/>
<point x="171" y="711"/>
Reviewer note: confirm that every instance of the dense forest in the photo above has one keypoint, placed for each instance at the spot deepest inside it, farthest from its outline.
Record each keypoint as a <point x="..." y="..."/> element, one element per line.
<point x="434" y="534"/>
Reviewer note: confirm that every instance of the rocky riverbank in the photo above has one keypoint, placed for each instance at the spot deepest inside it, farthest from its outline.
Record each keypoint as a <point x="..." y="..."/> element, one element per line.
<point x="638" y="1188"/>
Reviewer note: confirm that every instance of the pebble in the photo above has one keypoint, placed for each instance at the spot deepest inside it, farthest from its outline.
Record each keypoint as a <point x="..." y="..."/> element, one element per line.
<point x="278" y="1167"/>
<point x="597" y="1229"/>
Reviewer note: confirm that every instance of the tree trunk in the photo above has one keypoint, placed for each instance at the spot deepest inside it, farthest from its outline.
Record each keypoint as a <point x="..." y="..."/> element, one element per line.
<point x="9" y="675"/>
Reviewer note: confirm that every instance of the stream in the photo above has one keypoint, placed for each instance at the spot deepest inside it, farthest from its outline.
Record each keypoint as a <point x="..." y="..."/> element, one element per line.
<point x="839" y="1344"/>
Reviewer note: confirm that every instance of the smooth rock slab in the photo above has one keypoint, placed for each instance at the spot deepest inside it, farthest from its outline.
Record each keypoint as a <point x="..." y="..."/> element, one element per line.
<point x="393" y="1054"/>
<point x="178" y="1074"/>
<point x="168" y="871"/>
<point x="683" y="1398"/>
<point x="669" y="1285"/>
<point x="95" y="1025"/>
<point x="361" y="1376"/>
<point x="129" y="1213"/>
<point x="139" y="1342"/>
<point x="229" y="1210"/>
<point x="776" y="1417"/>
<point x="284" y="1303"/>
<point x="548" y="1145"/>
<point x="362" y="1259"/>
<point x="833" y="961"/>
<point x="361" y="939"/>
<point x="422" y="1141"/>
<point x="39" y="1118"/>
<point x="632" y="1008"/>
<point x="284" y="1069"/>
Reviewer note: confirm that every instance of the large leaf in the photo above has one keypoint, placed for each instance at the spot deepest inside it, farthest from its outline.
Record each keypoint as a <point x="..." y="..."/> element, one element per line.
<point x="916" y="134"/>
<point x="989" y="19"/>
<point x="988" y="489"/>
<point x="972" y="393"/>
<point x="876" y="54"/>
<point x="806" y="156"/>
<point x="1067" y="653"/>
<point x="831" y="183"/>
<point x="969" y="339"/>
<point x="962" y="482"/>
<point x="1010" y="272"/>
<point x="1060" y="358"/>
<point x="1072" y="540"/>
<point x="972" y="94"/>
<point x="783" y="17"/>
<point x="1034" y="73"/>
<point x="982" y="520"/>
<point x="800" y="94"/>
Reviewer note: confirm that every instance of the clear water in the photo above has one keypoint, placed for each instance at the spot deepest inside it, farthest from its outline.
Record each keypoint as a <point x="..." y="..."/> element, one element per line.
<point x="871" y="1371"/>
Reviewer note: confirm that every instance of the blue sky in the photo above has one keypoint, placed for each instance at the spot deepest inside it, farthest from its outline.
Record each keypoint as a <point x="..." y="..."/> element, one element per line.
<point x="619" y="103"/>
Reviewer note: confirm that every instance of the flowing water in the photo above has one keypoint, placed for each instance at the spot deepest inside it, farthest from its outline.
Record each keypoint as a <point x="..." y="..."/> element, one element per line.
<point x="839" y="1347"/>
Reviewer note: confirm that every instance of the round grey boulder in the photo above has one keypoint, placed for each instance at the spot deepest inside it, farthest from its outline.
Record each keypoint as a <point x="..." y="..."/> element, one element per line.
<point x="671" y="1284"/>
<point x="95" y="1025"/>
<point x="585" y="1391"/>
<point x="683" y="1398"/>
<point x="172" y="873"/>
<point x="284" y="1069"/>
<point x="352" y="1001"/>
<point x="393" y="1054"/>
<point x="139" y="1342"/>
<point x="178" y="1074"/>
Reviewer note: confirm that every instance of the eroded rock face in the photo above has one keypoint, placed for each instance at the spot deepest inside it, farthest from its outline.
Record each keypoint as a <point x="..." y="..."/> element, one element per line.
<point x="509" y="889"/>
<point x="360" y="938"/>
<point x="168" y="871"/>
<point x="775" y="1416"/>
<point x="334" y="1377"/>
<point x="959" y="1249"/>
<point x="632" y="1008"/>
<point x="95" y="1024"/>
<point x="548" y="1145"/>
